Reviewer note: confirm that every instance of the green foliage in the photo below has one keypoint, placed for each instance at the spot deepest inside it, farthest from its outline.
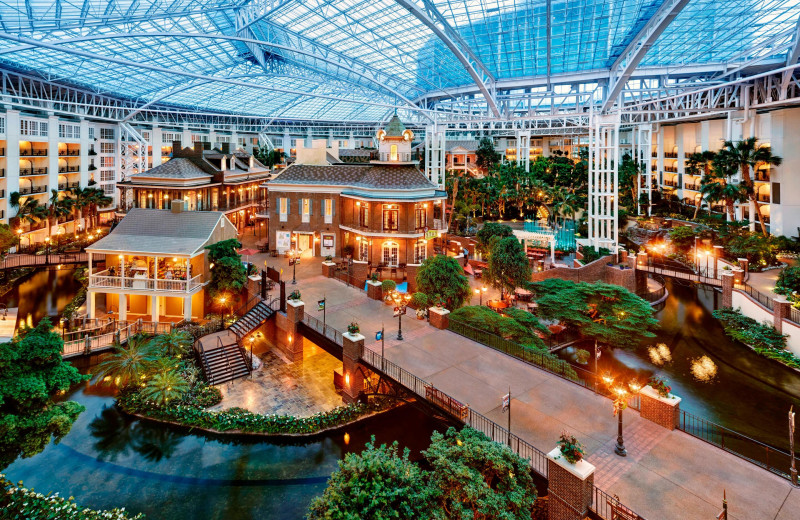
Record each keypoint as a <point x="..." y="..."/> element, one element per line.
<point x="490" y="232"/>
<point x="591" y="254"/>
<point x="518" y="326"/>
<point x="486" y="156"/>
<point x="376" y="483"/>
<point x="173" y="344"/>
<point x="129" y="363"/>
<point x="608" y="313"/>
<point x="476" y="477"/>
<point x="388" y="286"/>
<point x="19" y="502"/>
<point x="164" y="387"/>
<point x="223" y="249"/>
<point x="267" y="157"/>
<point x="32" y="373"/>
<point x="227" y="275"/>
<point x="238" y="419"/>
<point x="419" y="300"/>
<point x="508" y="265"/>
<point x="571" y="449"/>
<point x="441" y="278"/>
<point x="762" y="337"/>
<point x="8" y="238"/>
<point x="788" y="280"/>
<point x="347" y="250"/>
<point x="682" y="238"/>
<point x="760" y="250"/>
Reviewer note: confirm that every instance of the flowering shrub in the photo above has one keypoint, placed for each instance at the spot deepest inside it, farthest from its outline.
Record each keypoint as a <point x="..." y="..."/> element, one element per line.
<point x="571" y="449"/>
<point x="19" y="502"/>
<point x="659" y="384"/>
<point x="295" y="295"/>
<point x="239" y="419"/>
<point x="353" y="328"/>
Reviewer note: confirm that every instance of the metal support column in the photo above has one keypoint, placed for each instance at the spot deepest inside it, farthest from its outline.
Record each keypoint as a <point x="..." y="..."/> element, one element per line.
<point x="604" y="181"/>
<point x="643" y="151"/>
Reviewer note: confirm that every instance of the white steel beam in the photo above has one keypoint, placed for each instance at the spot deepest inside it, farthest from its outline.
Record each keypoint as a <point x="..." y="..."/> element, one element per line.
<point x="629" y="59"/>
<point x="791" y="58"/>
<point x="480" y="74"/>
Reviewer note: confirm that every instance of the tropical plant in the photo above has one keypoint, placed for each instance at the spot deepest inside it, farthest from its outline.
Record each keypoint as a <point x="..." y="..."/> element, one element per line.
<point x="442" y="278"/>
<point x="508" y="266"/>
<point x="717" y="185"/>
<point x="571" y="449"/>
<point x="294" y="295"/>
<point x="353" y="328"/>
<point x="682" y="237"/>
<point x="699" y="163"/>
<point x="32" y="375"/>
<point x="489" y="233"/>
<point x="388" y="286"/>
<point x="228" y="274"/>
<point x="57" y="207"/>
<point x="660" y="385"/>
<point x="376" y="483"/>
<point x="7" y="238"/>
<point x="127" y="364"/>
<point x="748" y="155"/>
<point x="516" y="325"/>
<point x="486" y="155"/>
<point x="174" y="344"/>
<point x="269" y="157"/>
<point x="419" y="300"/>
<point x="164" y="387"/>
<point x="788" y="280"/>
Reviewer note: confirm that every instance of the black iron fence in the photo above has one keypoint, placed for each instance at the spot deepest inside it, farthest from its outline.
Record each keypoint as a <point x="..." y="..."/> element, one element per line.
<point x="764" y="455"/>
<point x="760" y="297"/>
<point x="323" y="328"/>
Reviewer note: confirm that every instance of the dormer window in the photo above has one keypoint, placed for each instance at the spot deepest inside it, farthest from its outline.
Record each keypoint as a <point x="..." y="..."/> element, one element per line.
<point x="224" y="163"/>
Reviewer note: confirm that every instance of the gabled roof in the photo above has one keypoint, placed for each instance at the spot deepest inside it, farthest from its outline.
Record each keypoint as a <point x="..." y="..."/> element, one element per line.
<point x="177" y="168"/>
<point x="385" y="177"/>
<point x="358" y="152"/>
<point x="160" y="231"/>
<point x="469" y="145"/>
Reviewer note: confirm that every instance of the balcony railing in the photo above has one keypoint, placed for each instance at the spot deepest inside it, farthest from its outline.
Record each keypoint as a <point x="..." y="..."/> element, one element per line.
<point x="671" y="169"/>
<point x="69" y="169"/>
<point x="68" y="185"/>
<point x="69" y="153"/>
<point x="763" y="198"/>
<point x="103" y="279"/>
<point x="33" y="153"/>
<point x="671" y="155"/>
<point x="32" y="190"/>
<point x="27" y="172"/>
<point x="401" y="157"/>
<point x="673" y="184"/>
<point x="694" y="187"/>
<point x="761" y="176"/>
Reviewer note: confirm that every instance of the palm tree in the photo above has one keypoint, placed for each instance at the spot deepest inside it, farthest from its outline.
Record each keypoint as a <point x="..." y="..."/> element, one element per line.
<point x="747" y="154"/>
<point x="174" y="344"/>
<point x="96" y="199"/>
<point x="164" y="387"/>
<point x="716" y="185"/>
<point x="80" y="197"/>
<point x="58" y="207"/>
<point x="128" y="364"/>
<point x="566" y="204"/>
<point x="699" y="163"/>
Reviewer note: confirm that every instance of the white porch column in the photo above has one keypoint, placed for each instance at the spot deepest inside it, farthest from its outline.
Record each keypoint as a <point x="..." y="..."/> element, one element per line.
<point x="187" y="308"/>
<point x="90" y="307"/>
<point x="154" y="308"/>
<point x="90" y="264"/>
<point x="123" y="307"/>
<point x="553" y="250"/>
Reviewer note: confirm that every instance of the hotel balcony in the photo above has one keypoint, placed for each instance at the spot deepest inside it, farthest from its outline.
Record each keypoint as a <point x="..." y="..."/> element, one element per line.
<point x="105" y="280"/>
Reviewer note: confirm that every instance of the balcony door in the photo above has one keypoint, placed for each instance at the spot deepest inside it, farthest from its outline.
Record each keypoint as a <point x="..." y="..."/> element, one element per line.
<point x="391" y="254"/>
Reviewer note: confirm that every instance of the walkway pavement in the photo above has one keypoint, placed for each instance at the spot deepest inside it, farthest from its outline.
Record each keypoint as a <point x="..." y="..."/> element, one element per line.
<point x="667" y="475"/>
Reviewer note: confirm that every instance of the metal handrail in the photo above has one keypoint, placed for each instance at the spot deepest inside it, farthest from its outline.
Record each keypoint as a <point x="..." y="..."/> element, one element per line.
<point x="760" y="297"/>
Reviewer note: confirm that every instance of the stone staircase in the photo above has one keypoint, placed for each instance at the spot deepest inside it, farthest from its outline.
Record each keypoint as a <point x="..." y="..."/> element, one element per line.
<point x="253" y="319"/>
<point x="223" y="359"/>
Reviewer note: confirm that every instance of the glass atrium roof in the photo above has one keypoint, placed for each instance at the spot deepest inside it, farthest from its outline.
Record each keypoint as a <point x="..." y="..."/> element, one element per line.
<point x="356" y="60"/>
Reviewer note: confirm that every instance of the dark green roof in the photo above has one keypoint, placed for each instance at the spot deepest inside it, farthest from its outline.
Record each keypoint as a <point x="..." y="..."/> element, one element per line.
<point x="395" y="128"/>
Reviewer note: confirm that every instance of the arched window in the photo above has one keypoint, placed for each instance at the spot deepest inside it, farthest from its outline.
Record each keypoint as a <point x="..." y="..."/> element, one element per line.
<point x="363" y="250"/>
<point x="391" y="254"/>
<point x="420" y="251"/>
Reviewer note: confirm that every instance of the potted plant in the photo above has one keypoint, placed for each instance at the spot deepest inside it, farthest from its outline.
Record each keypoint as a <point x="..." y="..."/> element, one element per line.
<point x="570" y="448"/>
<point x="353" y="328"/>
<point x="387" y="287"/>
<point x="420" y="302"/>
<point x="328" y="258"/>
<point x="294" y="295"/>
<point x="374" y="277"/>
<point x="347" y="250"/>
<point x="661" y="386"/>
<point x="582" y="356"/>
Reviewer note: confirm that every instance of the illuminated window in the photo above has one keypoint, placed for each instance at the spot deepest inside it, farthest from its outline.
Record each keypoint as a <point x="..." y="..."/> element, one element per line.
<point x="391" y="253"/>
<point x="393" y="153"/>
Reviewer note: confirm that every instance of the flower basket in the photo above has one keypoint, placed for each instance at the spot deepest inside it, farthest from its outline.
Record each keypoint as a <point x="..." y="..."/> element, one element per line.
<point x="660" y="385"/>
<point x="353" y="328"/>
<point x="295" y="295"/>
<point x="570" y="448"/>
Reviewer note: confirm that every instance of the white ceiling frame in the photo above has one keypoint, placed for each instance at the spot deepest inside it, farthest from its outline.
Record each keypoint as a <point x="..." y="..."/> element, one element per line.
<point x="624" y="66"/>
<point x="479" y="73"/>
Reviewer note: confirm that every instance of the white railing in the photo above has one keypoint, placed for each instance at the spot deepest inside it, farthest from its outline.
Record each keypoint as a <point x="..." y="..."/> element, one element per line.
<point x="104" y="280"/>
<point x="126" y="329"/>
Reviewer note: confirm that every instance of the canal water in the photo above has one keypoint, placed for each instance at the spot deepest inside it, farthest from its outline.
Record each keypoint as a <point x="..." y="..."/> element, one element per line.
<point x="43" y="293"/>
<point x="110" y="460"/>
<point x="718" y="379"/>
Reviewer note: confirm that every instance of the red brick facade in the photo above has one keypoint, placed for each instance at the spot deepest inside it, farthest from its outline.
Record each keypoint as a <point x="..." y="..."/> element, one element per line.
<point x="569" y="496"/>
<point x="664" y="412"/>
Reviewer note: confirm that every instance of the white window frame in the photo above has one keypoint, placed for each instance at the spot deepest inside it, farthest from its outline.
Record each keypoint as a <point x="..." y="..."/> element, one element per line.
<point x="306" y="211"/>
<point x="420" y="251"/>
<point x="328" y="211"/>
<point x="389" y="247"/>
<point x="283" y="209"/>
<point x="363" y="250"/>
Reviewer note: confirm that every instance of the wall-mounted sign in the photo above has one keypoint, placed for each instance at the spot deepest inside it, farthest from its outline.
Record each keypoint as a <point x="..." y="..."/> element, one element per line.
<point x="283" y="240"/>
<point x="327" y="241"/>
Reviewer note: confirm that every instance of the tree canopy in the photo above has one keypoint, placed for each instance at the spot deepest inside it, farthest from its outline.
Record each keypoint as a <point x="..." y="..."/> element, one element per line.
<point x="227" y="274"/>
<point x="486" y="155"/>
<point x="517" y="325"/>
<point x="376" y="483"/>
<point x="508" y="265"/>
<point x="489" y="233"/>
<point x="441" y="278"/>
<point x="32" y="374"/>
<point x="471" y="477"/>
<point x="608" y="313"/>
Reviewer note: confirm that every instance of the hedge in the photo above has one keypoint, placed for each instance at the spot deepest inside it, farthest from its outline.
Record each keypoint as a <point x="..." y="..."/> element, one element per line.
<point x="18" y="502"/>
<point x="763" y="338"/>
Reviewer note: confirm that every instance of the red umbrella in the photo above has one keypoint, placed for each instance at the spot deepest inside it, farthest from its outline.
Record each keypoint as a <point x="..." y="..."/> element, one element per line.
<point x="468" y="269"/>
<point x="556" y="328"/>
<point x="247" y="252"/>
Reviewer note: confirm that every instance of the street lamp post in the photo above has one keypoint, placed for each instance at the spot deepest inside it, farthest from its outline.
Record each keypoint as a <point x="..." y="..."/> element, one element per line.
<point x="483" y="291"/>
<point x="620" y="395"/>
<point x="401" y="301"/>
<point x="252" y="339"/>
<point x="19" y="240"/>
<point x="294" y="266"/>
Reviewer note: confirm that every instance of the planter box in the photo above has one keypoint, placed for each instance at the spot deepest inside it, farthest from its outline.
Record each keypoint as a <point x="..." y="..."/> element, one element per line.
<point x="664" y="411"/>
<point x="374" y="290"/>
<point x="439" y="318"/>
<point x="570" y="487"/>
<point x="328" y="269"/>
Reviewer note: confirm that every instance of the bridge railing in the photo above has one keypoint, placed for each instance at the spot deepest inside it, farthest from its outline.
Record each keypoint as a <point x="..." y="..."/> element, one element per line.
<point x="324" y="329"/>
<point x="89" y="344"/>
<point x="536" y="457"/>
<point x="680" y="274"/>
<point x="760" y="297"/>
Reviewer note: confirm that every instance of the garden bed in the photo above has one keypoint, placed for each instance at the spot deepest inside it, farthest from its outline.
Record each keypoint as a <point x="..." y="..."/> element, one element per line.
<point x="761" y="338"/>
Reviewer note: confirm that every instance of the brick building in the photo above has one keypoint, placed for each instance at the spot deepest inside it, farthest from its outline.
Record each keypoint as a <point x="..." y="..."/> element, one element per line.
<point x="206" y="179"/>
<point x="387" y="209"/>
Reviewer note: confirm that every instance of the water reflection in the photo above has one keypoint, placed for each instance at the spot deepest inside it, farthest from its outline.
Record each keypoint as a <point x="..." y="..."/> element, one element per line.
<point x="118" y="434"/>
<point x="660" y="354"/>
<point x="704" y="369"/>
<point x="43" y="293"/>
